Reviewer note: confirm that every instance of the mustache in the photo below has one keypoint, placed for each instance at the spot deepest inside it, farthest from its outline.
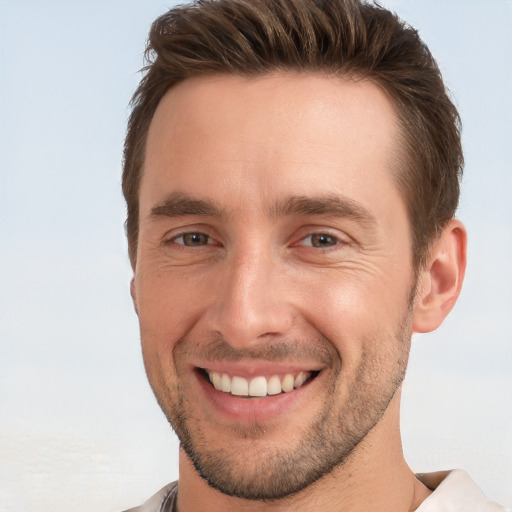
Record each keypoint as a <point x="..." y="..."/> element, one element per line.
<point x="318" y="349"/>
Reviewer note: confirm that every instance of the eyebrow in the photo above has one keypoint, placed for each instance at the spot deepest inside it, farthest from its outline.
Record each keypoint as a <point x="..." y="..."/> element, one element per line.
<point x="329" y="206"/>
<point x="179" y="204"/>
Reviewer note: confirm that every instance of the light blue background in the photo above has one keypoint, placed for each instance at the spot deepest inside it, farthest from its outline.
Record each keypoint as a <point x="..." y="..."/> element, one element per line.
<point x="79" y="427"/>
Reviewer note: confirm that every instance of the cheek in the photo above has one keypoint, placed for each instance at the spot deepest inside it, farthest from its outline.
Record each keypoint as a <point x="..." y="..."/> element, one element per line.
<point x="164" y="312"/>
<point x="350" y="310"/>
<point x="344" y="299"/>
<point x="169" y="303"/>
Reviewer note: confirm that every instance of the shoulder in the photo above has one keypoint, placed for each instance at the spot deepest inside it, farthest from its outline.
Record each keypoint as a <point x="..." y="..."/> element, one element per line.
<point x="162" y="501"/>
<point x="455" y="491"/>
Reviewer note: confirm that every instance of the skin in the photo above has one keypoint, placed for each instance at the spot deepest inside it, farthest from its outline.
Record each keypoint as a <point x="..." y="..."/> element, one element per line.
<point x="266" y="276"/>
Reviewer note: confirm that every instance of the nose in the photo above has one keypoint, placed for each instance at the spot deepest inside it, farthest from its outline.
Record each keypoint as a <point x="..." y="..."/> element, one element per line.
<point x="252" y="301"/>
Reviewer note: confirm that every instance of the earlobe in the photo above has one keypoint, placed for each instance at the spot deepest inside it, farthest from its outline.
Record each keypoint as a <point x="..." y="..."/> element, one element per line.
<point x="133" y="293"/>
<point x="440" y="281"/>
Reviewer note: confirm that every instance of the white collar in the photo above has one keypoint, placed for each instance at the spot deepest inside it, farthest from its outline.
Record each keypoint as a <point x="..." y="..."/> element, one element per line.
<point x="454" y="491"/>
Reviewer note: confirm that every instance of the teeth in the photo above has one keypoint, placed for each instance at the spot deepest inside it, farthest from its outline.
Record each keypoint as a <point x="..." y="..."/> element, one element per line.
<point x="225" y="383"/>
<point x="239" y="386"/>
<point x="216" y="381"/>
<point x="287" y="384"/>
<point x="274" y="385"/>
<point x="300" y="379"/>
<point x="257" y="386"/>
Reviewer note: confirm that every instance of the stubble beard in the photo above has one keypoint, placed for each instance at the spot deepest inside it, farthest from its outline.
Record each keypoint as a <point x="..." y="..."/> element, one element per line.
<point x="273" y="473"/>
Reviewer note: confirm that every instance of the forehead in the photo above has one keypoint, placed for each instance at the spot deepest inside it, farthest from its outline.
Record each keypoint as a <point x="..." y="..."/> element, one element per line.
<point x="240" y="138"/>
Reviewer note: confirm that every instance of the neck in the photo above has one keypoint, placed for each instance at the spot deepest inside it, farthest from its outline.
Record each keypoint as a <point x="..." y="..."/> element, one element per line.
<point x="375" y="477"/>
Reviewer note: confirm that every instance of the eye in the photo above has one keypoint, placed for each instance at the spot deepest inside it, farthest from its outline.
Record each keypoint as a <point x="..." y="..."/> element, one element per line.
<point x="320" y="240"/>
<point x="192" y="239"/>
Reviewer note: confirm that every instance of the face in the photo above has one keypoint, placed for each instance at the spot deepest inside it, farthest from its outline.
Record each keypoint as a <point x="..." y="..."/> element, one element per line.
<point x="273" y="280"/>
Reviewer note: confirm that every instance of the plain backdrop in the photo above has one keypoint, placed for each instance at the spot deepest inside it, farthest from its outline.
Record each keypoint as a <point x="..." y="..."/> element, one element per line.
<point x="79" y="427"/>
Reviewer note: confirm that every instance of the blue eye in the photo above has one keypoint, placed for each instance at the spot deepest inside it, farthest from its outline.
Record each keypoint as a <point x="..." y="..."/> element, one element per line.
<point x="192" y="239"/>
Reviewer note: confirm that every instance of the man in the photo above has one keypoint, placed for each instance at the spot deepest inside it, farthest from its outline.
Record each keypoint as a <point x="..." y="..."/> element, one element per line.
<point x="292" y="174"/>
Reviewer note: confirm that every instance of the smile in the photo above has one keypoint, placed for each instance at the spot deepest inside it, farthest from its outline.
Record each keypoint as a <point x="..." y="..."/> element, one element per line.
<point x="259" y="386"/>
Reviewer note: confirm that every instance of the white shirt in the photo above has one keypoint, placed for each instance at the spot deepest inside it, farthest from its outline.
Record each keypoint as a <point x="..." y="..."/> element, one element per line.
<point x="454" y="491"/>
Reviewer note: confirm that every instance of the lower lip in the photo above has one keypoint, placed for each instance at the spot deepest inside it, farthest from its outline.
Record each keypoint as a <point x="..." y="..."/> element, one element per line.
<point x="251" y="410"/>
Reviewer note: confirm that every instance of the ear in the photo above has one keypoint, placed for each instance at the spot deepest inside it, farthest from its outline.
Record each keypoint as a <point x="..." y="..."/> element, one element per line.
<point x="133" y="293"/>
<point x="440" y="281"/>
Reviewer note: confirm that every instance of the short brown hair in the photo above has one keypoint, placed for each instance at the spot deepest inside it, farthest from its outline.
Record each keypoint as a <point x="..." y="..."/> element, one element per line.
<point x="336" y="37"/>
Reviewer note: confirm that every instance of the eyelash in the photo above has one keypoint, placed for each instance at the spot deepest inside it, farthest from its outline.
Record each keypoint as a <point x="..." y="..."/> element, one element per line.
<point x="190" y="234"/>
<point x="336" y="241"/>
